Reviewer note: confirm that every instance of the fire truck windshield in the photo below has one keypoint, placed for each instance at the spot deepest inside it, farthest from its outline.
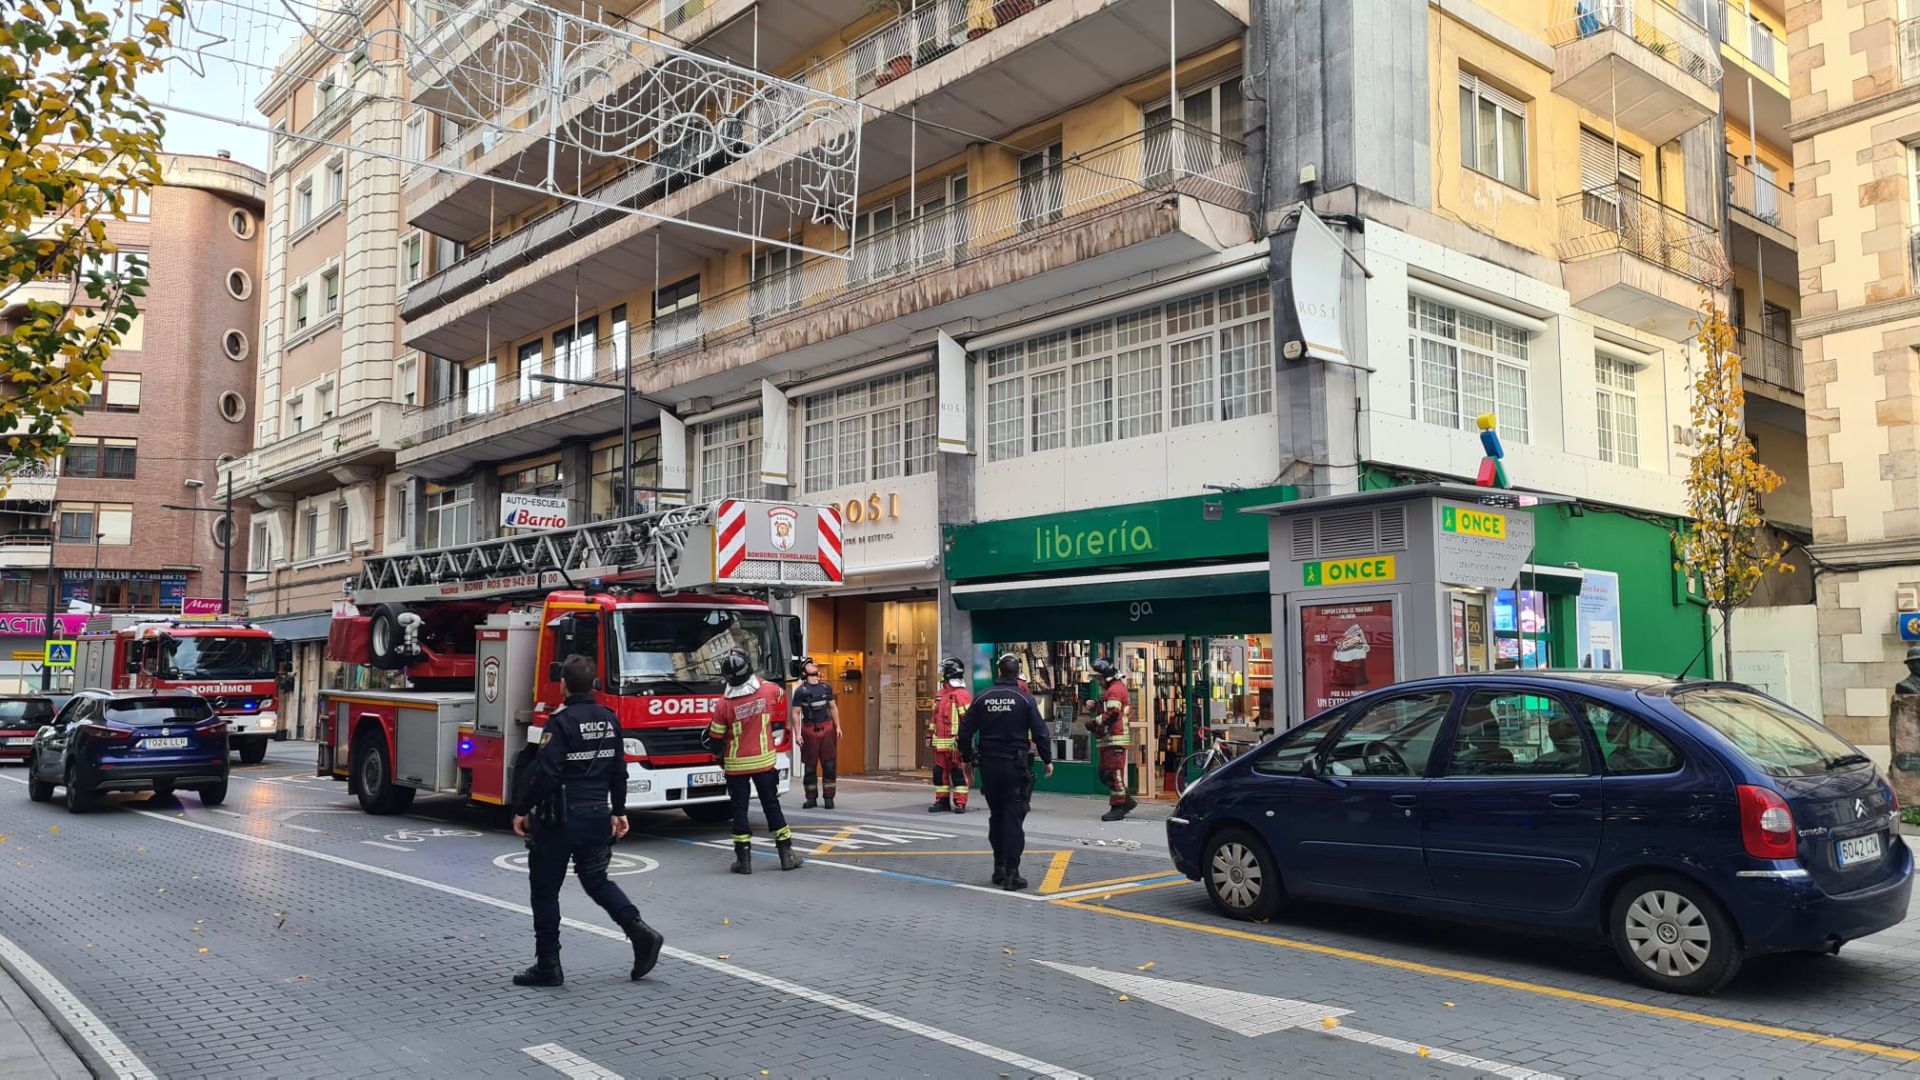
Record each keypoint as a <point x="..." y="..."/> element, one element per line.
<point x="678" y="650"/>
<point x="213" y="657"/>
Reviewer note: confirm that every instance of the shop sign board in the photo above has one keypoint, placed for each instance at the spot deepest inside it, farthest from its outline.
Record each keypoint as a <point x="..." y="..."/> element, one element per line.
<point x="1168" y="530"/>
<point x="518" y="511"/>
<point x="1372" y="570"/>
<point x="14" y="624"/>
<point x="1482" y="547"/>
<point x="1597" y="621"/>
<point x="1346" y="650"/>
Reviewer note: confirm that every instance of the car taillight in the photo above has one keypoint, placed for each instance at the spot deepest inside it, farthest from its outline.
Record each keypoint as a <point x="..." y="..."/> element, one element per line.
<point x="1766" y="824"/>
<point x="219" y="728"/>
<point x="100" y="731"/>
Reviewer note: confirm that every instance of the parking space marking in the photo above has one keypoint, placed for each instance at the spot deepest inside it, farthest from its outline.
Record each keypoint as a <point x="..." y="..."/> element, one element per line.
<point x="384" y="844"/>
<point x="844" y="834"/>
<point x="1056" y="872"/>
<point x="1106" y="890"/>
<point x="1812" y="1038"/>
<point x="1429" y="1053"/>
<point x="567" y="1063"/>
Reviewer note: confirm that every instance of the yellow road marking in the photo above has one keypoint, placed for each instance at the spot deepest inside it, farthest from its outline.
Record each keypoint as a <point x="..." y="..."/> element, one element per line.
<point x="843" y="834"/>
<point x="1621" y="1004"/>
<point x="1128" y="880"/>
<point x="1056" y="872"/>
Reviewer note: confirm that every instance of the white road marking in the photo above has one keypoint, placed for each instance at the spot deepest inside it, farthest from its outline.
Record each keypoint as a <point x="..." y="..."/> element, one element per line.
<point x="126" y="1065"/>
<point x="819" y="997"/>
<point x="1254" y="1015"/>
<point x="618" y="866"/>
<point x="815" y="860"/>
<point x="303" y="828"/>
<point x="225" y="813"/>
<point x="562" y="1060"/>
<point x="389" y="847"/>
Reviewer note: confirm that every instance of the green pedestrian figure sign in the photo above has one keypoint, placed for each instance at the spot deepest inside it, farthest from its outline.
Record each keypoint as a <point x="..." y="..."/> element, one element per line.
<point x="60" y="653"/>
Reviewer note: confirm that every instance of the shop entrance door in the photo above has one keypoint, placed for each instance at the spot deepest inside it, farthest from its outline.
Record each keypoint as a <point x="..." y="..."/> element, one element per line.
<point x="901" y="639"/>
<point x="1142" y="662"/>
<point x="1160" y="674"/>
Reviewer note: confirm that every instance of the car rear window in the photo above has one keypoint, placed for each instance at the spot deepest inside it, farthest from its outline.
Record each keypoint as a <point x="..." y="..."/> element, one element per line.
<point x="157" y="713"/>
<point x="33" y="712"/>
<point x="1773" y="737"/>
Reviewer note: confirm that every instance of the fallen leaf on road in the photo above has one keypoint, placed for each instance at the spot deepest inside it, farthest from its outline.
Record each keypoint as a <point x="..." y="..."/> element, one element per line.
<point x="88" y="945"/>
<point x="1424" y="1052"/>
<point x="3" y="838"/>
<point x="1449" y="1004"/>
<point x="196" y="929"/>
<point x="53" y="828"/>
<point x="303" y="976"/>
<point x="163" y="888"/>
<point x="724" y="921"/>
<point x="724" y="956"/>
<point x="1330" y="1022"/>
<point x="1144" y="966"/>
<point x="1009" y="952"/>
<point x="1124" y="997"/>
<point x="203" y="948"/>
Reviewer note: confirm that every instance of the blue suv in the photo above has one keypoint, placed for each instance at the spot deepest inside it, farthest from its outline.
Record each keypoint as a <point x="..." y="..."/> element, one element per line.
<point x="129" y="740"/>
<point x="1690" y="824"/>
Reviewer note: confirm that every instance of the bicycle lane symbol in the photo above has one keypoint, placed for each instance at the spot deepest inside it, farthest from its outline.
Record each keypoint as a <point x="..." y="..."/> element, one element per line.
<point x="421" y="836"/>
<point x="620" y="865"/>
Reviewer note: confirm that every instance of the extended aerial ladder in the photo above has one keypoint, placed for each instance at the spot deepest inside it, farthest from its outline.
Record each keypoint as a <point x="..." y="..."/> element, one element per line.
<point x="735" y="544"/>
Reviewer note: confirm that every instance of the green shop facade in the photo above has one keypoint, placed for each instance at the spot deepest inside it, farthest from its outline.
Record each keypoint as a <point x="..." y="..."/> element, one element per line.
<point x="1182" y="594"/>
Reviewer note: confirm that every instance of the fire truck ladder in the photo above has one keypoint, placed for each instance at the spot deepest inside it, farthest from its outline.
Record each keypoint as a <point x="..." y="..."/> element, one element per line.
<point x="536" y="562"/>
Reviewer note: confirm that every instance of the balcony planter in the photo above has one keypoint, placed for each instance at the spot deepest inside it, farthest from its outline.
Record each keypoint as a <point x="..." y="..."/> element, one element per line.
<point x="980" y="18"/>
<point x="893" y="69"/>
<point x="933" y="50"/>
<point x="1005" y="11"/>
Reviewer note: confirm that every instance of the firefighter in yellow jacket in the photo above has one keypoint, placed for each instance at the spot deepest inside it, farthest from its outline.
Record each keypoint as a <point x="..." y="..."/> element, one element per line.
<point x="949" y="772"/>
<point x="741" y="735"/>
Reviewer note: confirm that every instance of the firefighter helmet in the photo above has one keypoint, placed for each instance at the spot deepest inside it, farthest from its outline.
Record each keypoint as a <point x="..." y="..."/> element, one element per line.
<point x="736" y="668"/>
<point x="1105" y="668"/>
<point x="952" y="668"/>
<point x="1008" y="666"/>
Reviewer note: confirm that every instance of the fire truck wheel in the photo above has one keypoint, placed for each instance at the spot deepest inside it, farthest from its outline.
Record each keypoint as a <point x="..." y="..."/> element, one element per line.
<point x="384" y="637"/>
<point x="709" y="813"/>
<point x="374" y="773"/>
<point x="252" y="751"/>
<point x="213" y="794"/>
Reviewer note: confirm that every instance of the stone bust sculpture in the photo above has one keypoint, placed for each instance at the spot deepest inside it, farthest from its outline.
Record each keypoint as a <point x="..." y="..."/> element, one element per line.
<point x="1911" y="684"/>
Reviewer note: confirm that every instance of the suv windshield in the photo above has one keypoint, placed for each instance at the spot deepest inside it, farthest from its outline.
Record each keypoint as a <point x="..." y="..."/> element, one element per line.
<point x="677" y="650"/>
<point x="25" y="712"/>
<point x="1770" y="735"/>
<point x="222" y="657"/>
<point x="156" y="712"/>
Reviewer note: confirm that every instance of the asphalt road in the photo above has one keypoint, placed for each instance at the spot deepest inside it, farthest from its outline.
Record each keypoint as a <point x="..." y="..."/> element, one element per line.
<point x="288" y="934"/>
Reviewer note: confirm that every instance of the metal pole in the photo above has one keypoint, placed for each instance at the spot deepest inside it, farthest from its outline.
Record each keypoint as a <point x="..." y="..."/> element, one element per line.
<point x="226" y="556"/>
<point x="46" y="673"/>
<point x="624" y="504"/>
<point x="94" y="581"/>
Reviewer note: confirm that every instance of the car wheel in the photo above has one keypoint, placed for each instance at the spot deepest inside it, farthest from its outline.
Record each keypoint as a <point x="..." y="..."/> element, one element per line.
<point x="162" y="791"/>
<point x="1241" y="876"/>
<point x="1673" y="935"/>
<point x="374" y="772"/>
<point x="252" y="751"/>
<point x="708" y="813"/>
<point x="213" y="794"/>
<point x="37" y="789"/>
<point x="80" y="796"/>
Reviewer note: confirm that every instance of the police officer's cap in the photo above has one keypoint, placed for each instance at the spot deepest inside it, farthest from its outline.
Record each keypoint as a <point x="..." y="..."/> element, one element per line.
<point x="1009" y="666"/>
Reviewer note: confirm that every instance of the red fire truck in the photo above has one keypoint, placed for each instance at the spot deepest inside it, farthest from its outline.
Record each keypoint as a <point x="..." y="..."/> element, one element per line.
<point x="237" y="667"/>
<point x="479" y="630"/>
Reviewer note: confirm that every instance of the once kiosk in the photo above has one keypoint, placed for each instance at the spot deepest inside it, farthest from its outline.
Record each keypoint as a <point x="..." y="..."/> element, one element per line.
<point x="1378" y="587"/>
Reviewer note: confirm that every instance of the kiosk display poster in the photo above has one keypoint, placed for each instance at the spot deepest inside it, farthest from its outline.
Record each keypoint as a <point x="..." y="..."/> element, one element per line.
<point x="1346" y="650"/>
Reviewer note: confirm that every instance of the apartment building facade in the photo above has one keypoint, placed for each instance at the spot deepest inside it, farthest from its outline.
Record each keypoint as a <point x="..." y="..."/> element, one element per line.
<point x="334" y="381"/>
<point x="92" y="527"/>
<point x="1855" y="126"/>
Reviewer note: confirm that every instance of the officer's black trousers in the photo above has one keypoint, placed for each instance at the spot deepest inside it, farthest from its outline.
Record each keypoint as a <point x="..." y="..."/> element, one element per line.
<point x="586" y="839"/>
<point x="1008" y="785"/>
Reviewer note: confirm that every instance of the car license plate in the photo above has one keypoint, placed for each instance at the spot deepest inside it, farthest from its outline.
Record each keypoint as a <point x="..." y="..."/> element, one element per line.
<point x="1860" y="849"/>
<point x="19" y="741"/>
<point x="706" y="779"/>
<point x="163" y="744"/>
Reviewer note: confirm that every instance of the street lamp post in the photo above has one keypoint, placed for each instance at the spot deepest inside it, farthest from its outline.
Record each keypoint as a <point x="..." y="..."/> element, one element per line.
<point x="53" y="592"/>
<point x="226" y="552"/>
<point x="623" y="503"/>
<point x="94" y="581"/>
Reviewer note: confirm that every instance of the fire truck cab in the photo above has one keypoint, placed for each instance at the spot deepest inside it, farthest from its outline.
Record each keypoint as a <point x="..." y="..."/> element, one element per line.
<point x="480" y="630"/>
<point x="239" y="668"/>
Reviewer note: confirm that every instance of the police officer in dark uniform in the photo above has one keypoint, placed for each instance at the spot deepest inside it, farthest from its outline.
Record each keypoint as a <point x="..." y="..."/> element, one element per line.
<point x="1009" y="729"/>
<point x="571" y="804"/>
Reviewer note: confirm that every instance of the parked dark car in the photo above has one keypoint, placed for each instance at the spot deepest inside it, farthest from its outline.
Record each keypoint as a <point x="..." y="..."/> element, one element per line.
<point x="1690" y="824"/>
<point x="21" y="717"/>
<point x="130" y="740"/>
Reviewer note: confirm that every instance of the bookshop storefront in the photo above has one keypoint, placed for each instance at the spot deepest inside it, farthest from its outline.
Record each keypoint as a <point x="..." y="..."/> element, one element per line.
<point x="1177" y="590"/>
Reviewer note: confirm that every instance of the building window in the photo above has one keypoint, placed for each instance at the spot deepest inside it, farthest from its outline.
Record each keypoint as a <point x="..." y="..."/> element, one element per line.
<point x="676" y="315"/>
<point x="1193" y="361"/>
<point x="449" y="515"/>
<point x="303" y="203"/>
<point x="329" y="92"/>
<point x="341" y="518"/>
<point x="416" y="146"/>
<point x="323" y="401"/>
<point x="1619" y="410"/>
<point x="296" y="417"/>
<point x="258" y="552"/>
<point x="1465" y="366"/>
<point x="76" y="523"/>
<point x="106" y="458"/>
<point x="330" y="285"/>
<point x="730" y="458"/>
<point x="531" y="360"/>
<point x="16" y="589"/>
<point x="535" y="480"/>
<point x="413" y="254"/>
<point x="619" y="334"/>
<point x="300" y="317"/>
<point x="81" y="522"/>
<point x="336" y="182"/>
<point x="573" y="351"/>
<point x="875" y="430"/>
<point x="406" y="378"/>
<point x="480" y="387"/>
<point x="120" y="392"/>
<point x="1493" y="132"/>
<point x="310" y="532"/>
<point x="607" y="467"/>
<point x="1042" y="187"/>
<point x="1211" y="121"/>
<point x="776" y="282"/>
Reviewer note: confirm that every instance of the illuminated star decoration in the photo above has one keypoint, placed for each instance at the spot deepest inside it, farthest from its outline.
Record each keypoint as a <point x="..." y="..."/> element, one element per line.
<point x="191" y="54"/>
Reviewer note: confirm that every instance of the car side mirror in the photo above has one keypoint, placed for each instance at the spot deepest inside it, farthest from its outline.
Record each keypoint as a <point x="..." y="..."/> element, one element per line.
<point x="285" y="682"/>
<point x="1311" y="767"/>
<point x="283" y="655"/>
<point x="797" y="668"/>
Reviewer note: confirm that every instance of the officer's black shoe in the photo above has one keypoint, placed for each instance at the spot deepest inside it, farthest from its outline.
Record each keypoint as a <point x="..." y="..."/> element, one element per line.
<point x="540" y="975"/>
<point x="829" y="802"/>
<point x="647" y="943"/>
<point x="940" y="806"/>
<point x="809" y="804"/>
<point x="742" y="859"/>
<point x="1014" y="882"/>
<point x="999" y="874"/>
<point x="789" y="860"/>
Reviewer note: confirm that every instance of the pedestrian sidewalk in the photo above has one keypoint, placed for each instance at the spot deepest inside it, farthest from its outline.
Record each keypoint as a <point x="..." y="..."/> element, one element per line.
<point x="30" y="1046"/>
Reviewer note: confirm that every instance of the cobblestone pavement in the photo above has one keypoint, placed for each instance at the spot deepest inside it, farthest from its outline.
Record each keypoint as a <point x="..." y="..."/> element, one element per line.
<point x="288" y="934"/>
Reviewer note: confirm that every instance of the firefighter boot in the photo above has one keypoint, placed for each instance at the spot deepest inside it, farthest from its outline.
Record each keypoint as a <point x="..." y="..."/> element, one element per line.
<point x="1014" y="882"/>
<point x="810" y="803"/>
<point x="940" y="806"/>
<point x="544" y="972"/>
<point x="789" y="860"/>
<point x="1120" y="811"/>
<point x="829" y="802"/>
<point x="742" y="858"/>
<point x="647" y="943"/>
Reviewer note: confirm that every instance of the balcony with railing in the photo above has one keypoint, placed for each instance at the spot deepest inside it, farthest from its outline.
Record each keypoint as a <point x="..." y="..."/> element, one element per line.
<point x="1630" y="258"/>
<point x="1760" y="204"/>
<point x="984" y="66"/>
<point x="367" y="435"/>
<point x="1748" y="37"/>
<point x="1770" y="360"/>
<point x="33" y="483"/>
<point x="26" y="550"/>
<point x="1140" y="203"/>
<point x="1642" y="62"/>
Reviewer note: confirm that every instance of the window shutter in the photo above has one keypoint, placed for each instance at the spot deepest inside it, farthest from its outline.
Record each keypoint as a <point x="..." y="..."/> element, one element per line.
<point x="1597" y="166"/>
<point x="1494" y="94"/>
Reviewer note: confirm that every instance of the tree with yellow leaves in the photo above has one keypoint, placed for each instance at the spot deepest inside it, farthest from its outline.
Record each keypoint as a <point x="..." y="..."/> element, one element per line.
<point x="1726" y="546"/>
<point x="79" y="145"/>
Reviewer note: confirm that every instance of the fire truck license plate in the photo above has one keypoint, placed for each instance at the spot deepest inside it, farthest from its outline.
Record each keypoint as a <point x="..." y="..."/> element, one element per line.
<point x="706" y="779"/>
<point x="163" y="744"/>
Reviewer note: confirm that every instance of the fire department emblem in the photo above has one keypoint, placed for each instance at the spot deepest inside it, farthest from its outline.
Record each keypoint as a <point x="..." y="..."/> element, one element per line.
<point x="783" y="520"/>
<point x="490" y="679"/>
